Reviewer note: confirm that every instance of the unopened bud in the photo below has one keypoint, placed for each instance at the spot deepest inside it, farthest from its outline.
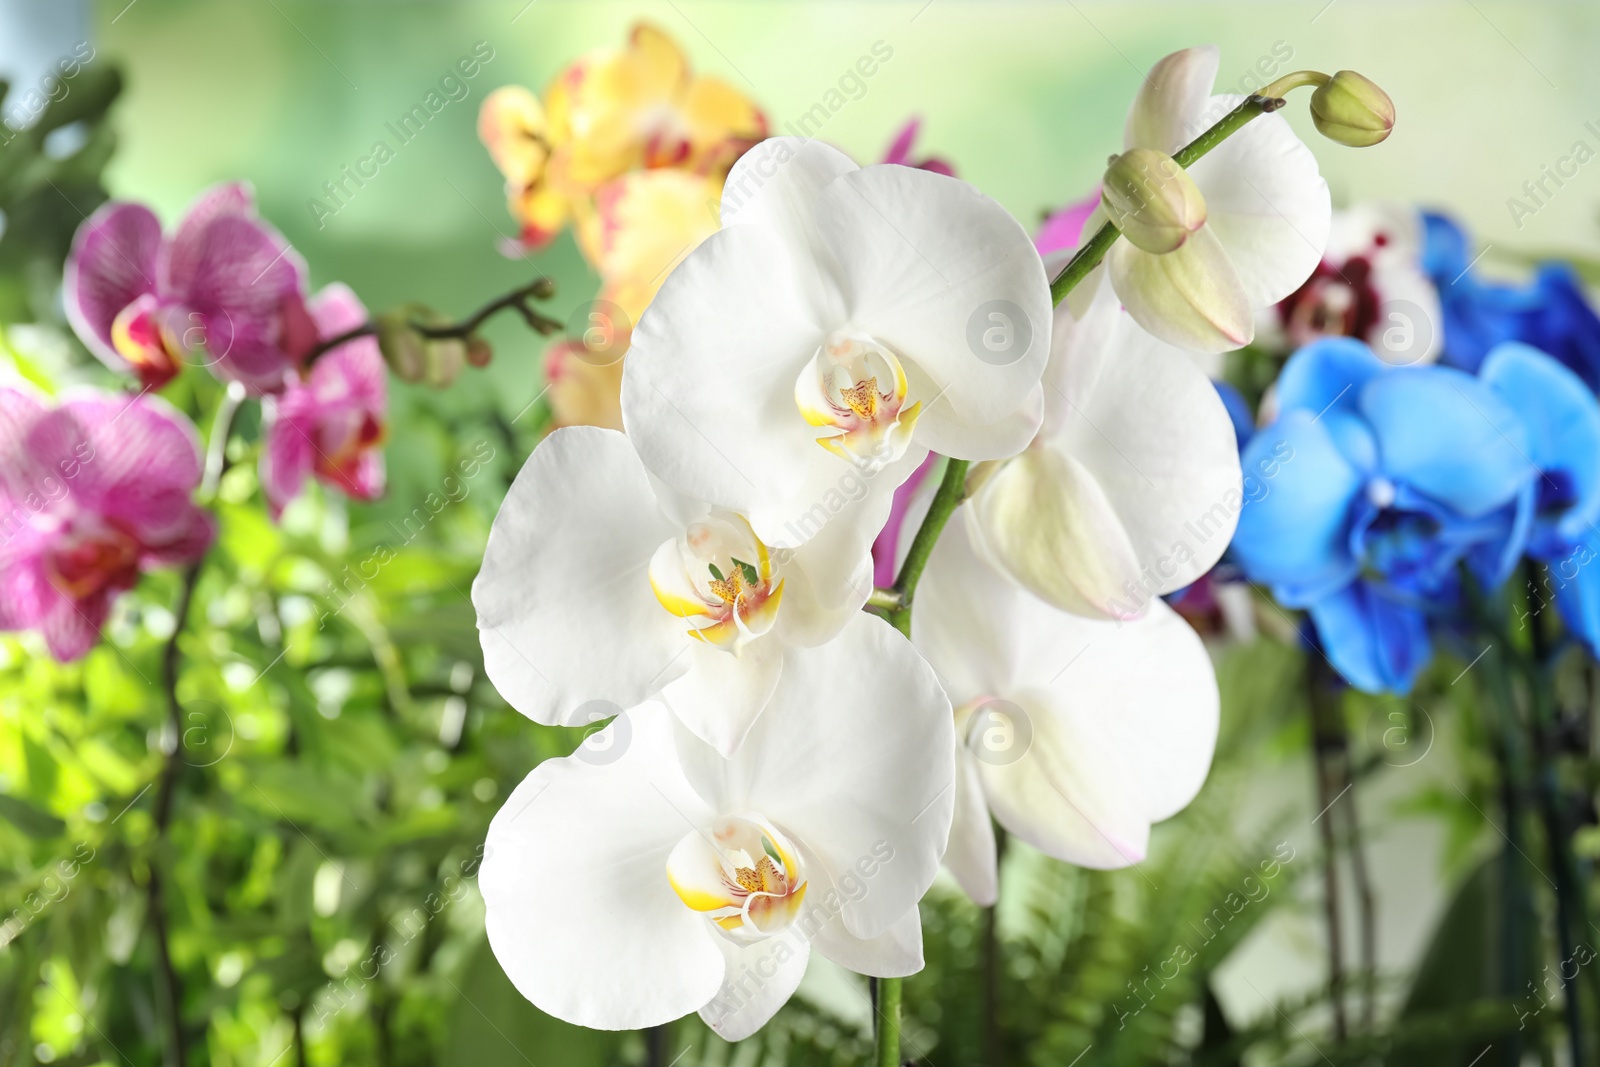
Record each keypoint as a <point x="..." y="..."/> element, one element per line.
<point x="478" y="352"/>
<point x="1352" y="110"/>
<point x="1152" y="200"/>
<point x="445" y="360"/>
<point x="402" y="346"/>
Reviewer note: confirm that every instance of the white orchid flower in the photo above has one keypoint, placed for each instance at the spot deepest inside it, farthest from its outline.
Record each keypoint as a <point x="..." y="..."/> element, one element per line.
<point x="843" y="319"/>
<point x="1132" y="488"/>
<point x="1076" y="734"/>
<point x="647" y="877"/>
<point x="601" y="589"/>
<point x="1266" y="215"/>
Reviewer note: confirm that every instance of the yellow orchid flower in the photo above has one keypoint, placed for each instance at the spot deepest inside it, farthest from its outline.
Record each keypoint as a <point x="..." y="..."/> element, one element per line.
<point x="610" y="113"/>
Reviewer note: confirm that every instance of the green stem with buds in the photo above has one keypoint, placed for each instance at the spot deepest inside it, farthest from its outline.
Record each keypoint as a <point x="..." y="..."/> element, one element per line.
<point x="518" y="299"/>
<point x="1093" y="250"/>
<point x="896" y="602"/>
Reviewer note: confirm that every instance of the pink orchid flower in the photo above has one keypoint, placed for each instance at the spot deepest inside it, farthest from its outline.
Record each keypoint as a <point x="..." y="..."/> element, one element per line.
<point x="900" y="151"/>
<point x="330" y="425"/>
<point x="93" y="492"/>
<point x="224" y="291"/>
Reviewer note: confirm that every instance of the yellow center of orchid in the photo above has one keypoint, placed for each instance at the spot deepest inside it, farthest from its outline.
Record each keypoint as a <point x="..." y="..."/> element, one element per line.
<point x="839" y="390"/>
<point x="743" y="874"/>
<point x="718" y="575"/>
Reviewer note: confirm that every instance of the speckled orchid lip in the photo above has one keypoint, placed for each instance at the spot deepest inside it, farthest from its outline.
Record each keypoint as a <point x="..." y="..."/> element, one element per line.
<point x="720" y="576"/>
<point x="744" y="875"/>
<point x="857" y="386"/>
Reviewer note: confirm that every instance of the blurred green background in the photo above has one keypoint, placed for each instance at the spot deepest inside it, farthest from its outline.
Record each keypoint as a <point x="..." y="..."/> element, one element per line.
<point x="364" y="760"/>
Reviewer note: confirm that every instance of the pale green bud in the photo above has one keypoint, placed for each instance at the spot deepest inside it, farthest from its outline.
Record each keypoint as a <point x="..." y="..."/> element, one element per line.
<point x="1352" y="110"/>
<point x="1152" y="200"/>
<point x="402" y="346"/>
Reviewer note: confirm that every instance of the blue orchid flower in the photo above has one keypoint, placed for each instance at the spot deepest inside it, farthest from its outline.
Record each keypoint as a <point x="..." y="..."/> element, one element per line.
<point x="1396" y="475"/>
<point x="1551" y="312"/>
<point x="1563" y="421"/>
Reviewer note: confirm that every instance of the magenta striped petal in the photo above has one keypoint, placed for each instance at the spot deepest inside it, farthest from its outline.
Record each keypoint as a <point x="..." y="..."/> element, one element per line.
<point x="113" y="261"/>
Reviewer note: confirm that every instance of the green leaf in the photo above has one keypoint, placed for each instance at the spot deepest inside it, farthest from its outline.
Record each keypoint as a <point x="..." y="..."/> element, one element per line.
<point x="715" y="573"/>
<point x="30" y="820"/>
<point x="771" y="850"/>
<point x="751" y="575"/>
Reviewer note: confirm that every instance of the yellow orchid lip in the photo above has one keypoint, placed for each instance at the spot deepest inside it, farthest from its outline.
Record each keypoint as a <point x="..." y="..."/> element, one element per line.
<point x="856" y="386"/>
<point x="744" y="875"/>
<point x="719" y="575"/>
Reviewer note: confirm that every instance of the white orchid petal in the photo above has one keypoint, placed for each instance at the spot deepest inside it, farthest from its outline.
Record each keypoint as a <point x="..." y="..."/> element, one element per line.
<point x="708" y="387"/>
<point x="1191" y="298"/>
<point x="1167" y="113"/>
<point x="895" y="953"/>
<point x="721" y="694"/>
<point x="853" y="759"/>
<point x="972" y="856"/>
<point x="926" y="262"/>
<point x="1117" y="720"/>
<point x="580" y="913"/>
<point x="1268" y="205"/>
<point x="1046" y="520"/>
<point x="1151" y="430"/>
<point x="565" y="610"/>
<point x="761" y="977"/>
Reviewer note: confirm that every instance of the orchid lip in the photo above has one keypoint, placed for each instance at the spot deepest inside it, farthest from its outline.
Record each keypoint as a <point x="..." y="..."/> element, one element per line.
<point x="718" y="575"/>
<point x="744" y="874"/>
<point x="856" y="386"/>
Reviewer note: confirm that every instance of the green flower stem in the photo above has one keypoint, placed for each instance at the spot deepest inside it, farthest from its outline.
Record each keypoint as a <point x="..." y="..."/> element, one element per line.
<point x="886" y="1053"/>
<point x="1571" y="907"/>
<point x="896" y="602"/>
<point x="1088" y="256"/>
<point x="952" y="490"/>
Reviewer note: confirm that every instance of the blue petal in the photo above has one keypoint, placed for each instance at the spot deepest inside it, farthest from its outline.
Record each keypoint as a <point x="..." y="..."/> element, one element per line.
<point x="1447" y="435"/>
<point x="1377" y="641"/>
<point x="1560" y="321"/>
<point x="1576" y="580"/>
<point x="1326" y="376"/>
<point x="1563" y="423"/>
<point x="1296" y="536"/>
<point x="1239" y="413"/>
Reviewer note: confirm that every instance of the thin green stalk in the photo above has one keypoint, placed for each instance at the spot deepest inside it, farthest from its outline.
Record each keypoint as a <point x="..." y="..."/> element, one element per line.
<point x="1088" y="257"/>
<point x="886" y="1053"/>
<point x="896" y="603"/>
<point x="1508" y="750"/>
<point x="952" y="490"/>
<point x="1571" y="908"/>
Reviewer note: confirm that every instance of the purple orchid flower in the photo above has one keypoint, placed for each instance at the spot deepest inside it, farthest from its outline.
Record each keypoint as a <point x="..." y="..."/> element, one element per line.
<point x="332" y="424"/>
<point x="224" y="291"/>
<point x="93" y="492"/>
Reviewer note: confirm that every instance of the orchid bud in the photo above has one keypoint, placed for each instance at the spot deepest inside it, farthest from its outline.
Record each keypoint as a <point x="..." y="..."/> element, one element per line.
<point x="1352" y="110"/>
<point x="1152" y="200"/>
<point x="478" y="352"/>
<point x="401" y="344"/>
<point x="445" y="358"/>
